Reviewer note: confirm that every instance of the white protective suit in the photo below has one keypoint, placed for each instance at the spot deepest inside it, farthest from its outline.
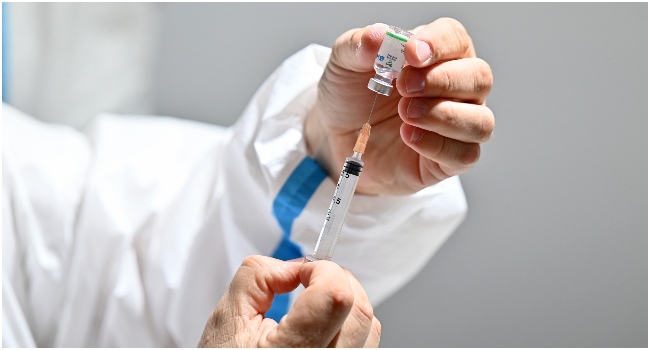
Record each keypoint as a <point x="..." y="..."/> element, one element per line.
<point x="129" y="235"/>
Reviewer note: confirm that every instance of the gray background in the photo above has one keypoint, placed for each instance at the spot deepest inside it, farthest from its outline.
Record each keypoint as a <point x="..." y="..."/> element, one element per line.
<point x="554" y="248"/>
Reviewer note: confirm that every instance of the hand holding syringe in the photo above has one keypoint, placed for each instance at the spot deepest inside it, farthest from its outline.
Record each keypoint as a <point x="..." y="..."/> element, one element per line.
<point x="388" y="64"/>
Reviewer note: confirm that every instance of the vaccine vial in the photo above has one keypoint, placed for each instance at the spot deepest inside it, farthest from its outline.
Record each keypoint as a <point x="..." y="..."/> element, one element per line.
<point x="389" y="61"/>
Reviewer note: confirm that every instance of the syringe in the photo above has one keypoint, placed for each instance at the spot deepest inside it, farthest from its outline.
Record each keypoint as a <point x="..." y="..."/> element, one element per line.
<point x="345" y="188"/>
<point x="388" y="64"/>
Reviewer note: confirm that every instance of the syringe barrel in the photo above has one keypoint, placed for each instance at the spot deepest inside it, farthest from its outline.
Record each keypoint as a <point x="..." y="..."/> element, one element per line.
<point x="343" y="194"/>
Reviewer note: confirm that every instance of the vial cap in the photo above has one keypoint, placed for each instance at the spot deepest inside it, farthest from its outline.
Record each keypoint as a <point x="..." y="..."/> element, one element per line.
<point x="379" y="87"/>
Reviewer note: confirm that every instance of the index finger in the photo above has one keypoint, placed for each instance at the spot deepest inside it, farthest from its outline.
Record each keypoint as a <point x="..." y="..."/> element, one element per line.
<point x="319" y="312"/>
<point x="442" y="40"/>
<point x="257" y="280"/>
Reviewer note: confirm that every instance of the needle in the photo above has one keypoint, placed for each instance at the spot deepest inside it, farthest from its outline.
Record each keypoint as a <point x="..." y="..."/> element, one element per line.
<point x="373" y="108"/>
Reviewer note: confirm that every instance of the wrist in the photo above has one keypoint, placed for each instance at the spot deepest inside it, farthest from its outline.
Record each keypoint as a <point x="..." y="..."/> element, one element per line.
<point x="318" y="141"/>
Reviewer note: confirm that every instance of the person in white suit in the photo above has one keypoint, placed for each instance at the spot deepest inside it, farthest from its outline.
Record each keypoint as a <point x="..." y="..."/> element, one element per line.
<point x="128" y="235"/>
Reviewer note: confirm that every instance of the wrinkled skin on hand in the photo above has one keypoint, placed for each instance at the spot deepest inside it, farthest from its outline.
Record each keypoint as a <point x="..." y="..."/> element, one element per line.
<point x="332" y="311"/>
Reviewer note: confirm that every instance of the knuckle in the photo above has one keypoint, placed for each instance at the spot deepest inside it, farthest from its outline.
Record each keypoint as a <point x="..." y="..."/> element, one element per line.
<point x="487" y="126"/>
<point x="483" y="77"/>
<point x="459" y="33"/>
<point x="253" y="261"/>
<point x="449" y="113"/>
<point x="250" y="271"/>
<point x="442" y="78"/>
<point x="340" y="298"/>
<point x="470" y="155"/>
<point x="454" y="23"/>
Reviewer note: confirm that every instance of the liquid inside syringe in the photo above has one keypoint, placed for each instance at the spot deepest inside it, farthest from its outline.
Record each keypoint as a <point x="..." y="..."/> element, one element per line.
<point x="345" y="188"/>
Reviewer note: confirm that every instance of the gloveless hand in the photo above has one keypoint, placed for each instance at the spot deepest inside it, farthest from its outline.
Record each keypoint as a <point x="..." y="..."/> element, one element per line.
<point x="428" y="129"/>
<point x="332" y="311"/>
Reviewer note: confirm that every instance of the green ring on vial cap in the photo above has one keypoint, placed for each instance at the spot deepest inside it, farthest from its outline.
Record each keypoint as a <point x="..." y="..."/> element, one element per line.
<point x="398" y="37"/>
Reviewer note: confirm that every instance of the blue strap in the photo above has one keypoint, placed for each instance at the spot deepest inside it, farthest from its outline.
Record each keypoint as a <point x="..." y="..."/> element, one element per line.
<point x="289" y="203"/>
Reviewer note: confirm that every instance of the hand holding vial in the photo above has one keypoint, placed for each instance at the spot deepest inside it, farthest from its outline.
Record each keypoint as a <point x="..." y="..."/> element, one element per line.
<point x="428" y="128"/>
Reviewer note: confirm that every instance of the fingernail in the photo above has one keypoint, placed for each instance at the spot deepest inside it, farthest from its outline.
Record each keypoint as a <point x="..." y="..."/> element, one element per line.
<point x="422" y="50"/>
<point x="415" y="109"/>
<point x="416" y="135"/>
<point x="414" y="81"/>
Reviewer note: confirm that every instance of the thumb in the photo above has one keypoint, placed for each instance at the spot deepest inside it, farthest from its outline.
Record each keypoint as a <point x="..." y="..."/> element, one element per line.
<point x="355" y="50"/>
<point x="319" y="312"/>
<point x="257" y="280"/>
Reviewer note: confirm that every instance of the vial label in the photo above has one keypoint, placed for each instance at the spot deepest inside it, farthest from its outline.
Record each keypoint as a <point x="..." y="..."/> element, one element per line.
<point x="391" y="52"/>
